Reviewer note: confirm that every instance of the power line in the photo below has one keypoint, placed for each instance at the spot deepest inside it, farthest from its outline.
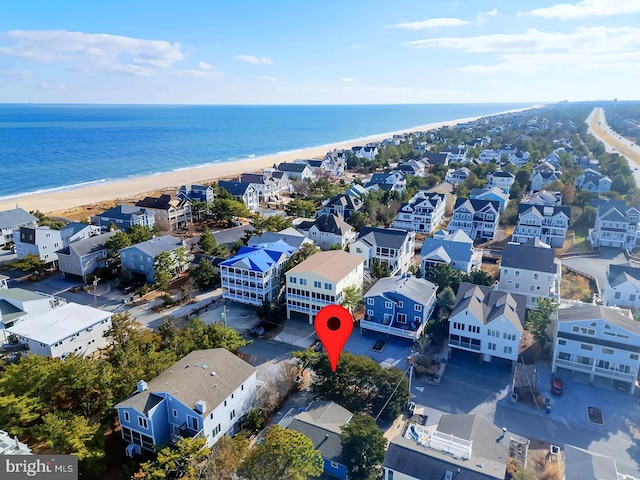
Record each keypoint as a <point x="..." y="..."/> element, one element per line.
<point x="392" y="394"/>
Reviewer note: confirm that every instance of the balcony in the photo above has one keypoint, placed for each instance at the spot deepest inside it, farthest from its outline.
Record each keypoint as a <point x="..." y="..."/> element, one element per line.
<point x="465" y="343"/>
<point x="389" y="329"/>
<point x="186" y="432"/>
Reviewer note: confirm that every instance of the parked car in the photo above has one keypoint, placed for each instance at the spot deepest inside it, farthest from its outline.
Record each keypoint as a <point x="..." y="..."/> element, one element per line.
<point x="557" y="386"/>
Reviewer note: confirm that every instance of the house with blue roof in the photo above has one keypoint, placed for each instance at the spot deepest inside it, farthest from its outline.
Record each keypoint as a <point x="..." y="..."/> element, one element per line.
<point x="399" y="306"/>
<point x="140" y="258"/>
<point x="455" y="249"/>
<point x="124" y="217"/>
<point x="253" y="274"/>
<point x="200" y="193"/>
<point x="493" y="194"/>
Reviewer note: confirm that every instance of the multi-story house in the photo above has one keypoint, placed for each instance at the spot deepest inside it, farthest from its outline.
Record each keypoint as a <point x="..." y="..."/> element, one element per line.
<point x="585" y="162"/>
<point x="290" y="236"/>
<point x="488" y="322"/>
<point x="243" y="192"/>
<point x="457" y="153"/>
<point x="541" y="178"/>
<point x="170" y="213"/>
<point x="68" y="329"/>
<point x="493" y="194"/>
<point x="457" y="176"/>
<point x="440" y="158"/>
<point x="341" y="204"/>
<point x="460" y="447"/>
<point x="455" y="249"/>
<point x="477" y="218"/>
<point x="415" y="168"/>
<point x="268" y="189"/>
<point x="297" y="171"/>
<point x="18" y="304"/>
<point x="202" y="395"/>
<point x="14" y="219"/>
<point x="622" y="286"/>
<point x="328" y="230"/>
<point x="320" y="280"/>
<point x="500" y="179"/>
<point x="549" y="224"/>
<point x="82" y="257"/>
<point x="140" y="258"/>
<point x="43" y="242"/>
<point x="200" y="193"/>
<point x="616" y="225"/>
<point x="487" y="156"/>
<point x="253" y="274"/>
<point x="391" y="247"/>
<point x="399" y="306"/>
<point x="321" y="421"/>
<point x="369" y="151"/>
<point x="517" y="157"/>
<point x="593" y="181"/>
<point x="124" y="217"/>
<point x="423" y="213"/>
<point x="601" y="344"/>
<point x="389" y="182"/>
<point x="530" y="270"/>
<point x="334" y="163"/>
<point x="543" y="197"/>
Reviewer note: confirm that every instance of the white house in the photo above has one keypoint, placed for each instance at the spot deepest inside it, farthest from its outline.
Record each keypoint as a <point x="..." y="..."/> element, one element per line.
<point x="500" y="179"/>
<point x="328" y="230"/>
<point x="616" y="225"/>
<point x="488" y="322"/>
<point x="601" y="344"/>
<point x="204" y="394"/>
<point x="543" y="197"/>
<point x="320" y="280"/>
<point x="392" y="182"/>
<point x="423" y="213"/>
<point x="243" y="192"/>
<point x="549" y="224"/>
<point x="593" y="181"/>
<point x="539" y="179"/>
<point x="530" y="270"/>
<point x="622" y="286"/>
<point x="267" y="187"/>
<point x="14" y="219"/>
<point x="455" y="249"/>
<point x="68" y="329"/>
<point x="18" y="304"/>
<point x="297" y="170"/>
<point x="477" y="218"/>
<point x="457" y="176"/>
<point x="45" y="241"/>
<point x="391" y="247"/>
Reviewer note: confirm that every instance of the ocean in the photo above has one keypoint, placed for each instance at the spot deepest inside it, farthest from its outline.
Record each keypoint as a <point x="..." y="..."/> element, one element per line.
<point x="47" y="148"/>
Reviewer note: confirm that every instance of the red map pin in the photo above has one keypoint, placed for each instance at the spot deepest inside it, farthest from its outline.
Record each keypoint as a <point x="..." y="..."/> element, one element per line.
<point x="333" y="325"/>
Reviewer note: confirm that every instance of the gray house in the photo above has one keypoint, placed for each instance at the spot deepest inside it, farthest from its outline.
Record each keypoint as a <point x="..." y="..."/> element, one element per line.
<point x="82" y="257"/>
<point x="13" y="219"/>
<point x="140" y="258"/>
<point x="124" y="217"/>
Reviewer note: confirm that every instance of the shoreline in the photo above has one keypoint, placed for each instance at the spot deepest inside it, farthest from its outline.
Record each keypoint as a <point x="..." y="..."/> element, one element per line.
<point x="63" y="199"/>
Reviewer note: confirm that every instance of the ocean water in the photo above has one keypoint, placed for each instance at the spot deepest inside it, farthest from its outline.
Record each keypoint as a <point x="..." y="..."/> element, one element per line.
<point x="56" y="147"/>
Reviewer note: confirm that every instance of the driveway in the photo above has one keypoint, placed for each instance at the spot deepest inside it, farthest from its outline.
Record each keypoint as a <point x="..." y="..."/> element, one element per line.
<point x="231" y="235"/>
<point x="597" y="266"/>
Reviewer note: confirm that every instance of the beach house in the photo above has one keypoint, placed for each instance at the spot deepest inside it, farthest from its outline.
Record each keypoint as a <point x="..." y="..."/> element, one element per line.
<point x="200" y="193"/>
<point x="501" y="179"/>
<point x="297" y="170"/>
<point x="203" y="395"/>
<point x="342" y="204"/>
<point x="386" y="246"/>
<point x="423" y="213"/>
<point x="123" y="217"/>
<point x="328" y="230"/>
<point x="82" y="257"/>
<point x="454" y="249"/>
<point x="170" y="214"/>
<point x="477" y="218"/>
<point x="593" y="181"/>
<point x="622" y="286"/>
<point x="616" y="225"/>
<point x="549" y="224"/>
<point x="18" y="304"/>
<point x="14" y="219"/>
<point x="140" y="258"/>
<point x="242" y="192"/>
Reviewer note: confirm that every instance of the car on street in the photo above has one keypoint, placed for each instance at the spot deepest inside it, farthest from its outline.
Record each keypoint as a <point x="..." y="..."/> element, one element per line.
<point x="557" y="386"/>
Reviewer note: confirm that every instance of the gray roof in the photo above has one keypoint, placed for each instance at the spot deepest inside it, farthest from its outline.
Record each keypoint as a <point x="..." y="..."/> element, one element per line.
<point x="476" y="204"/>
<point x="292" y="167"/>
<point x="210" y="375"/>
<point x="488" y="304"/>
<point x="321" y="422"/>
<point x="384" y="237"/>
<point x="124" y="212"/>
<point x="72" y="228"/>
<point x="331" y="223"/>
<point x="9" y="312"/>
<point x="544" y="210"/>
<point x="21" y="295"/>
<point x="619" y="274"/>
<point x="290" y="236"/>
<point x="597" y="312"/>
<point x="604" y="204"/>
<point x="344" y="200"/>
<point x="155" y="246"/>
<point x="237" y="189"/>
<point x="537" y="259"/>
<point x="15" y="218"/>
<point x="88" y="245"/>
<point x="417" y="289"/>
<point x="580" y="464"/>
<point x="456" y="246"/>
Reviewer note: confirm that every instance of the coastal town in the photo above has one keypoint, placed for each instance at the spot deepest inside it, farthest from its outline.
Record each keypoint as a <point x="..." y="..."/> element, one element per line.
<point x="490" y="266"/>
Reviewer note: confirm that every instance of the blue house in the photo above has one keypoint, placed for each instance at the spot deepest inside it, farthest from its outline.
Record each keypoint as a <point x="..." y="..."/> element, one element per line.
<point x="399" y="306"/>
<point x="455" y="249"/>
<point x="140" y="258"/>
<point x="321" y="422"/>
<point x="201" y="193"/>
<point x="202" y="395"/>
<point x="124" y="217"/>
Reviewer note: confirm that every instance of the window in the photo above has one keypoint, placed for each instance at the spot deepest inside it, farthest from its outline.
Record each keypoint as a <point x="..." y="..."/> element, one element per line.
<point x="532" y="288"/>
<point x="417" y="308"/>
<point x="535" y="276"/>
<point x="225" y="403"/>
<point x="617" y="296"/>
<point x="334" y="464"/>
<point x="369" y="301"/>
<point x="518" y="285"/>
<point x="517" y="273"/>
<point x="303" y="281"/>
<point x="402" y="318"/>
<point x="607" y="351"/>
<point x="417" y="319"/>
<point x="358" y="250"/>
<point x="633" y="356"/>
<point x="564" y="356"/>
<point x="508" y="349"/>
<point x="387" y="305"/>
<point x="327" y="286"/>
<point x="126" y="416"/>
<point x="370" y="313"/>
<point x="232" y="414"/>
<point x="492" y="346"/>
<point x="292" y="279"/>
<point x="584" y="346"/>
<point x="632" y="297"/>
<point x="175" y="412"/>
<point x="143" y="422"/>
<point x="216" y="430"/>
<point x="506" y="271"/>
<point x="562" y="341"/>
<point x="317" y="284"/>
<point x="400" y="304"/>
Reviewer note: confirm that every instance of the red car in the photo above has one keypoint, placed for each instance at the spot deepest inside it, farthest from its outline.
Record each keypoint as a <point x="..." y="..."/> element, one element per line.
<point x="557" y="387"/>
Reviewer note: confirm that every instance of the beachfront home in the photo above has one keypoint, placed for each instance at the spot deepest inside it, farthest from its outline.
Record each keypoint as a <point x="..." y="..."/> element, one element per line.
<point x="69" y="329"/>
<point x="268" y="190"/>
<point x="123" y="217"/>
<point x="320" y="280"/>
<point x="14" y="219"/>
<point x="455" y="249"/>
<point x="297" y="171"/>
<point x="386" y="246"/>
<point x="532" y="270"/>
<point x="544" y="197"/>
<point x="593" y="181"/>
<point x="45" y="241"/>
<point x="617" y="225"/>
<point x="477" y="218"/>
<point x="81" y="258"/>
<point x="423" y="213"/>
<point x="399" y="305"/>
<point x="440" y="158"/>
<point x="140" y="258"/>
<point x="622" y="286"/>
<point x="415" y="168"/>
<point x="549" y="224"/>
<point x="488" y="322"/>
<point x="334" y="163"/>
<point x="242" y="192"/>
<point x="170" y="213"/>
<point x="369" y="151"/>
<point x="328" y="230"/>
<point x="203" y="395"/>
<point x="200" y="193"/>
<point x="341" y="204"/>
<point x="321" y="421"/>
<point x="596" y="343"/>
<point x="252" y="275"/>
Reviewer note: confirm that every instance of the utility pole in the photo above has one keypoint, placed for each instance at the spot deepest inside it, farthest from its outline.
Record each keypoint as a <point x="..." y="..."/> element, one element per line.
<point x="95" y="292"/>
<point x="224" y="314"/>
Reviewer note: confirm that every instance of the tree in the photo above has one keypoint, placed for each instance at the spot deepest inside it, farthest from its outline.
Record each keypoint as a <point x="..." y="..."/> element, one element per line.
<point x="199" y="208"/>
<point x="283" y="455"/>
<point x="164" y="266"/>
<point x="351" y="297"/>
<point x="538" y="320"/>
<point x="226" y="457"/>
<point x="204" y="274"/>
<point x="180" y="461"/>
<point x="227" y="210"/>
<point x="300" y="208"/>
<point x="358" y="220"/>
<point x="117" y="242"/>
<point x="335" y="246"/>
<point x="68" y="433"/>
<point x="444" y="275"/>
<point x="138" y="234"/>
<point x="45" y="221"/>
<point x="209" y="245"/>
<point x="379" y="269"/>
<point x="30" y="263"/>
<point x="363" y="447"/>
<point x="478" y="277"/>
<point x="215" y="336"/>
<point x="305" y="357"/>
<point x="446" y="299"/>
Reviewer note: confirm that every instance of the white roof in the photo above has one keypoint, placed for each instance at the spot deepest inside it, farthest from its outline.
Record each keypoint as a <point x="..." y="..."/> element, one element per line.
<point x="59" y="323"/>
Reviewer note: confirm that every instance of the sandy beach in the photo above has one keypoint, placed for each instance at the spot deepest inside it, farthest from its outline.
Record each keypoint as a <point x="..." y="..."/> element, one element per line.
<point x="63" y="200"/>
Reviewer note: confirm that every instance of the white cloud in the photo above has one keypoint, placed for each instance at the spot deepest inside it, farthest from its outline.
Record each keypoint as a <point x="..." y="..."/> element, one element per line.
<point x="253" y="59"/>
<point x="205" y="66"/>
<point x="430" y="23"/>
<point x="204" y="70"/>
<point x="587" y="8"/>
<point x="88" y="51"/>
<point x="481" y="17"/>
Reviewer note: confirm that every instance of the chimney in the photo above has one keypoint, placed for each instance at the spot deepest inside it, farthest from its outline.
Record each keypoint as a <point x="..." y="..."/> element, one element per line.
<point x="142" y="386"/>
<point x="201" y="407"/>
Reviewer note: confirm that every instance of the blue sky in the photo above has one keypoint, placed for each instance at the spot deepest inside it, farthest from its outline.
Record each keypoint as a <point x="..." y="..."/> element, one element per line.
<point x="323" y="52"/>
